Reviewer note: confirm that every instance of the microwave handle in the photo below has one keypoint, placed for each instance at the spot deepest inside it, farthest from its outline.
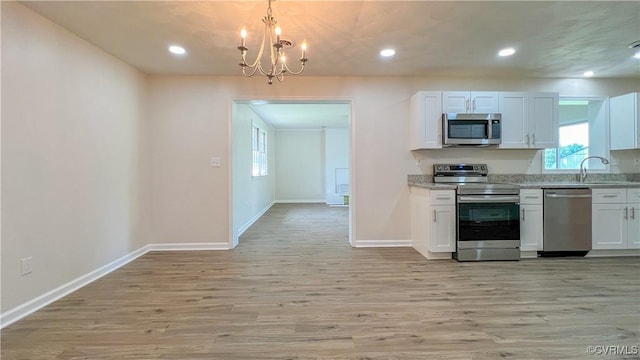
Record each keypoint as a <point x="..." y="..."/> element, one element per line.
<point x="489" y="130"/>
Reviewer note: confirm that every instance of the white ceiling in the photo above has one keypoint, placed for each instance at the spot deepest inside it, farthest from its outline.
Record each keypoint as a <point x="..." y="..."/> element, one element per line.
<point x="432" y="38"/>
<point x="436" y="38"/>
<point x="303" y="114"/>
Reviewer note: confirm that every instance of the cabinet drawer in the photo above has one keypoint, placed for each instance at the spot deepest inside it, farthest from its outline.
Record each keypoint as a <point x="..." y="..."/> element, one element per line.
<point x="609" y="196"/>
<point x="531" y="196"/>
<point x="633" y="195"/>
<point x="442" y="197"/>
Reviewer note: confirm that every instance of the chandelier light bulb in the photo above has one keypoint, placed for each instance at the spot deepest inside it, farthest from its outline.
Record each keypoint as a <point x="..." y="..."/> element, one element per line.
<point x="243" y="36"/>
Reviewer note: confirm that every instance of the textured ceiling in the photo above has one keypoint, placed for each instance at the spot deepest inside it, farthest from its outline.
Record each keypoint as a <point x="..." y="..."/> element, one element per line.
<point x="432" y="38"/>
<point x="303" y="114"/>
<point x="436" y="38"/>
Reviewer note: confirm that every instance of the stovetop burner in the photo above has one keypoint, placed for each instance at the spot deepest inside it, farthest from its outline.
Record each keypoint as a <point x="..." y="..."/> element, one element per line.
<point x="470" y="179"/>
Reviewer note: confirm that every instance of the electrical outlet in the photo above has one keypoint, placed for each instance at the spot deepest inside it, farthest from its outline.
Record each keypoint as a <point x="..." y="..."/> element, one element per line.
<point x="636" y="161"/>
<point x="26" y="266"/>
<point x="418" y="162"/>
<point x="215" y="162"/>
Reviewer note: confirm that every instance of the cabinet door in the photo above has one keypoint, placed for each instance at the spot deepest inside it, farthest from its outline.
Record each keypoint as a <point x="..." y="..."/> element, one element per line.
<point x="531" y="227"/>
<point x="426" y="120"/>
<point x="633" y="226"/>
<point x="543" y="120"/>
<point x="485" y="102"/>
<point x="456" y="102"/>
<point x="514" y="107"/>
<point x="624" y="113"/>
<point x="419" y="199"/>
<point x="443" y="229"/>
<point x="609" y="226"/>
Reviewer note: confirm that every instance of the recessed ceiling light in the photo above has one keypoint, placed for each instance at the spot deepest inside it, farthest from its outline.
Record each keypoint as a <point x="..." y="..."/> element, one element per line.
<point x="387" y="52"/>
<point x="507" y="52"/>
<point x="178" y="50"/>
<point x="588" y="73"/>
<point x="637" y="55"/>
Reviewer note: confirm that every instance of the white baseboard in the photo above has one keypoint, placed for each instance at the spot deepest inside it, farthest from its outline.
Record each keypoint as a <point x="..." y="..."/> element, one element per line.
<point x="254" y="219"/>
<point x="528" y="254"/>
<point x="10" y="316"/>
<point x="606" y="253"/>
<point x="304" y="201"/>
<point x="438" y="255"/>
<point x="382" y="243"/>
<point x="188" y="246"/>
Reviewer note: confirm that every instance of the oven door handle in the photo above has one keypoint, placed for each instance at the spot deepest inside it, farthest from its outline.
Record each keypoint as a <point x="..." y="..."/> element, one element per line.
<point x="489" y="199"/>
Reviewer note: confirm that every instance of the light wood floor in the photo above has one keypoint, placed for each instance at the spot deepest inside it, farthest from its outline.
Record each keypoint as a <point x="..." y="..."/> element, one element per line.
<point x="295" y="289"/>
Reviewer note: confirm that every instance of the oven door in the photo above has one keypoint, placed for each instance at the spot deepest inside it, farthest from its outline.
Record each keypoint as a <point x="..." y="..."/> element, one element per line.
<point x="488" y="221"/>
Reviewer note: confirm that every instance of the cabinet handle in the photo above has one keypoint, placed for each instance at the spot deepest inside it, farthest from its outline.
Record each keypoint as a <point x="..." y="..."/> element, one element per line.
<point x="533" y="138"/>
<point x="633" y="213"/>
<point x="626" y="213"/>
<point x="528" y="143"/>
<point x="466" y="104"/>
<point x="531" y="196"/>
<point x="434" y="216"/>
<point x="522" y="214"/>
<point x="610" y="196"/>
<point x="443" y="197"/>
<point x="474" y="105"/>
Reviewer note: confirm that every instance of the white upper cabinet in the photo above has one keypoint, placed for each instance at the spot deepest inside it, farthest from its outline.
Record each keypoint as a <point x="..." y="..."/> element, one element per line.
<point x="529" y="120"/>
<point x="470" y="102"/>
<point x="426" y="120"/>
<point x="624" y="118"/>
<point x="543" y="120"/>
<point x="514" y="107"/>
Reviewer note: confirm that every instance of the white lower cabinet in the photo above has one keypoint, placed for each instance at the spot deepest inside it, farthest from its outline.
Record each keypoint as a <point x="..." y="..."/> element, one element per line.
<point x="531" y="220"/>
<point x="433" y="221"/>
<point x="615" y="219"/>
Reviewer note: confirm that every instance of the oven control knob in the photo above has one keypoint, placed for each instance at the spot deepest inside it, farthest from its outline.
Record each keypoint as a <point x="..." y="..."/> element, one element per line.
<point x="439" y="167"/>
<point x="475" y="167"/>
<point x="483" y="168"/>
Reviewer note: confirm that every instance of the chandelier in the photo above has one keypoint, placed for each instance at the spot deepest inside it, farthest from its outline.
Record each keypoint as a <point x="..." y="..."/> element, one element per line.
<point x="278" y="66"/>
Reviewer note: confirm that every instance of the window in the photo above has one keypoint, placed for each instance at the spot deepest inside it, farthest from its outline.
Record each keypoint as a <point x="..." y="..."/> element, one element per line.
<point x="259" y="147"/>
<point x="582" y="133"/>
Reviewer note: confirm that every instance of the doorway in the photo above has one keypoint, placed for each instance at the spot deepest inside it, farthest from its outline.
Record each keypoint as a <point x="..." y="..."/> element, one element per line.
<point x="289" y="151"/>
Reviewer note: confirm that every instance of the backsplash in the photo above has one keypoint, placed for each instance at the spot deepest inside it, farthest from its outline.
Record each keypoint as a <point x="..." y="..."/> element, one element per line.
<point x="537" y="178"/>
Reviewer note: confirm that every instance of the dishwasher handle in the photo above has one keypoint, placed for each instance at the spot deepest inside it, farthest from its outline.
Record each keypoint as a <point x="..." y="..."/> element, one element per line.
<point x="559" y="196"/>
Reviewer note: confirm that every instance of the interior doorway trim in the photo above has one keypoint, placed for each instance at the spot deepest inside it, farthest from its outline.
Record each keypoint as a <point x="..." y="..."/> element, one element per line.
<point x="233" y="236"/>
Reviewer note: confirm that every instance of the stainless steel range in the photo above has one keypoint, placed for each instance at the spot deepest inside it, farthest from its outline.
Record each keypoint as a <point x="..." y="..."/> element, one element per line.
<point x="488" y="215"/>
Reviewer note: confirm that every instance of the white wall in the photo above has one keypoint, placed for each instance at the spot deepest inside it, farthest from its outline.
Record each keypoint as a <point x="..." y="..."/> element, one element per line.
<point x="72" y="142"/>
<point x="336" y="157"/>
<point x="299" y="156"/>
<point x="251" y="195"/>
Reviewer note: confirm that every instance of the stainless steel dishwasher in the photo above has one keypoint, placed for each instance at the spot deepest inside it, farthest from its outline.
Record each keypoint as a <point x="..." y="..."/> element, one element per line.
<point x="567" y="222"/>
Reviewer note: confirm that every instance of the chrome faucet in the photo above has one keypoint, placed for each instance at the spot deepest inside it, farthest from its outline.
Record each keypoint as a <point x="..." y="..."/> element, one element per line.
<point x="583" y="170"/>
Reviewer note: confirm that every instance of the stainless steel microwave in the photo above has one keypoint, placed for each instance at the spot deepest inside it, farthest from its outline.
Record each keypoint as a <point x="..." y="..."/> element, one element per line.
<point x="460" y="129"/>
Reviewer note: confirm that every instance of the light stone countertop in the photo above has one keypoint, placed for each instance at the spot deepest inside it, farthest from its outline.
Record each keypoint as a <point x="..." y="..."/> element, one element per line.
<point x="575" y="184"/>
<point x="540" y="181"/>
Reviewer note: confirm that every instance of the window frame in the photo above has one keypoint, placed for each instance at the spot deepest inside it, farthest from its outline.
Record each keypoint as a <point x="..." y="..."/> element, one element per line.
<point x="259" y="151"/>
<point x="592" y="127"/>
